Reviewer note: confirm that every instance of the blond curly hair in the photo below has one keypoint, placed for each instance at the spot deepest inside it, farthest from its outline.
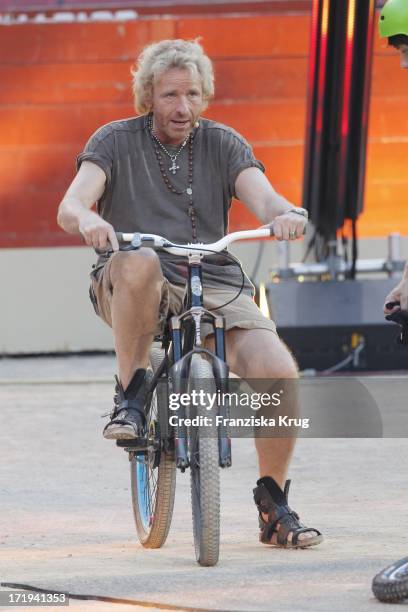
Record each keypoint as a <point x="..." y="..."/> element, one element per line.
<point x="164" y="55"/>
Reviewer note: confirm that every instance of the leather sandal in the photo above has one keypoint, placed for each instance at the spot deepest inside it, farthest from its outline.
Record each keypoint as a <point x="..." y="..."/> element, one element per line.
<point x="128" y="419"/>
<point x="282" y="520"/>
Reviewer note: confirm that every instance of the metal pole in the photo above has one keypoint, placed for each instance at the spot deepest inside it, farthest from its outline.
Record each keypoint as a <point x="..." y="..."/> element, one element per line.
<point x="283" y="258"/>
<point x="394" y="253"/>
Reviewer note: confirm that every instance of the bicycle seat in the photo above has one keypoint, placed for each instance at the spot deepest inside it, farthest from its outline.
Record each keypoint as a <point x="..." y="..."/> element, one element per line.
<point x="400" y="317"/>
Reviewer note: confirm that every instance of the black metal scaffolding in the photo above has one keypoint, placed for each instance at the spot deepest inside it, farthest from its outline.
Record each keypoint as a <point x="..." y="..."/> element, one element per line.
<point x="337" y="116"/>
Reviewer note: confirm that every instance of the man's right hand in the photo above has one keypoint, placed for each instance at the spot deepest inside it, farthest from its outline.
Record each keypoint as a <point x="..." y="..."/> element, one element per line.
<point x="96" y="232"/>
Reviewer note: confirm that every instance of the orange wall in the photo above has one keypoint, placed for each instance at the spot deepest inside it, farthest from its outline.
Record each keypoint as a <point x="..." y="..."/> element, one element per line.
<point x="60" y="82"/>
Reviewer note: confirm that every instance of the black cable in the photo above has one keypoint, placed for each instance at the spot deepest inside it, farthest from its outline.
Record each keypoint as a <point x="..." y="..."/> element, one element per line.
<point x="321" y="247"/>
<point x="234" y="260"/>
<point x="310" y="246"/>
<point x="345" y="243"/>
<point x="115" y="600"/>
<point x="354" y="250"/>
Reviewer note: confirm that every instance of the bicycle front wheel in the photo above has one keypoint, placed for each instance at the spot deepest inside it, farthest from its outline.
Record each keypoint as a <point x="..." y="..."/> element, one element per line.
<point x="153" y="478"/>
<point x="391" y="585"/>
<point x="204" y="469"/>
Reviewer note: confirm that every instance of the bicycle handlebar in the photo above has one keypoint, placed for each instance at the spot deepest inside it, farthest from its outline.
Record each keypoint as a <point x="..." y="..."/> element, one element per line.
<point x="158" y="242"/>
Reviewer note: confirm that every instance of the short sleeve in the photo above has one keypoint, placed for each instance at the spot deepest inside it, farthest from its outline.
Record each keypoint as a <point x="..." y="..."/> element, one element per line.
<point x="100" y="150"/>
<point x="240" y="156"/>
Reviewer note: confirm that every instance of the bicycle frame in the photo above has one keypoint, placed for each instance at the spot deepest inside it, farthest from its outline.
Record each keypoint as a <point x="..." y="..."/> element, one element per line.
<point x="185" y="331"/>
<point x="183" y="339"/>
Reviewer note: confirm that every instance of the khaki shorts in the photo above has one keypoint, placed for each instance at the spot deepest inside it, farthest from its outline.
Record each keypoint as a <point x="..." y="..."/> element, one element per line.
<point x="242" y="312"/>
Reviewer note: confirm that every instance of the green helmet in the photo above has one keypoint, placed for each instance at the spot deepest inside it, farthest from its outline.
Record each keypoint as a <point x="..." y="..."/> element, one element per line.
<point x="394" y="18"/>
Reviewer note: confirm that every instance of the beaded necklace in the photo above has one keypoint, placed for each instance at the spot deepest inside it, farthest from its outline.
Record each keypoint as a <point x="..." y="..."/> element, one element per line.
<point x="173" y="168"/>
<point x="158" y="147"/>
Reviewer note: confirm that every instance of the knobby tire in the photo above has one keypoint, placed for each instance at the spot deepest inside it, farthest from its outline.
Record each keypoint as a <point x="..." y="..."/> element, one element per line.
<point x="391" y="584"/>
<point x="204" y="470"/>
<point x="153" y="488"/>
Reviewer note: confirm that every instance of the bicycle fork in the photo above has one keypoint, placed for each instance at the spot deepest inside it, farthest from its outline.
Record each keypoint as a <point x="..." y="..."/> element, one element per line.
<point x="179" y="375"/>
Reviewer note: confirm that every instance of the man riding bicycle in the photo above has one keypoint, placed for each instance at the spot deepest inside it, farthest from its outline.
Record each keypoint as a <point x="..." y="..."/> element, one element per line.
<point x="393" y="25"/>
<point x="391" y="584"/>
<point x="171" y="172"/>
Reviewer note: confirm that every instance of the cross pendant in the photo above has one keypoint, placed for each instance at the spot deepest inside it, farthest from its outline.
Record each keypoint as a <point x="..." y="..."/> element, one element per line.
<point x="173" y="168"/>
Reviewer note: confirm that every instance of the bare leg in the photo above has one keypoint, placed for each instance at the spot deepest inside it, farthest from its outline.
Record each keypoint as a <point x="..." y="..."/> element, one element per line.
<point x="137" y="281"/>
<point x="260" y="354"/>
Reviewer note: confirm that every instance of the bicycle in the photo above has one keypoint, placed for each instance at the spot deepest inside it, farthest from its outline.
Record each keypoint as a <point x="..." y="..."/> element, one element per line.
<point x="182" y="365"/>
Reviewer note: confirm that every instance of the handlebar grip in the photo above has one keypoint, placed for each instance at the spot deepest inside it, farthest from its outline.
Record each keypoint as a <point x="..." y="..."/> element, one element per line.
<point x="271" y="232"/>
<point x="133" y="239"/>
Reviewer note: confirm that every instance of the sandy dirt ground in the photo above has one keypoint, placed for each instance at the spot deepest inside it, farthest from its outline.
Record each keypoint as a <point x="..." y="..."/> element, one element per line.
<point x="66" y="521"/>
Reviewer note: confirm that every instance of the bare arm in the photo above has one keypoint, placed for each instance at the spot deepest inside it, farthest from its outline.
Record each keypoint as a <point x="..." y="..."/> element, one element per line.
<point x="255" y="191"/>
<point x="75" y="215"/>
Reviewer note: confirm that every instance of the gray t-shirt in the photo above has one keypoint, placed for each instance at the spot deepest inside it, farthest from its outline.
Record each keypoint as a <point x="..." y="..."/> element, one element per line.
<point x="136" y="198"/>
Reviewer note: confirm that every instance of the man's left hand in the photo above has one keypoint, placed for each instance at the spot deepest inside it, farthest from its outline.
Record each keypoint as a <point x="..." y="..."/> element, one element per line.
<point x="288" y="226"/>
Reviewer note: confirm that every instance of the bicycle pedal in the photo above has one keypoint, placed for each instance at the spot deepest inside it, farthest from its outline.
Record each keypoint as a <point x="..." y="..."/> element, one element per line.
<point x="132" y="445"/>
<point x="182" y="464"/>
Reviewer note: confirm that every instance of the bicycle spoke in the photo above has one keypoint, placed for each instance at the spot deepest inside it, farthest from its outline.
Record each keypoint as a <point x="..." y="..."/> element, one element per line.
<point x="153" y="487"/>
